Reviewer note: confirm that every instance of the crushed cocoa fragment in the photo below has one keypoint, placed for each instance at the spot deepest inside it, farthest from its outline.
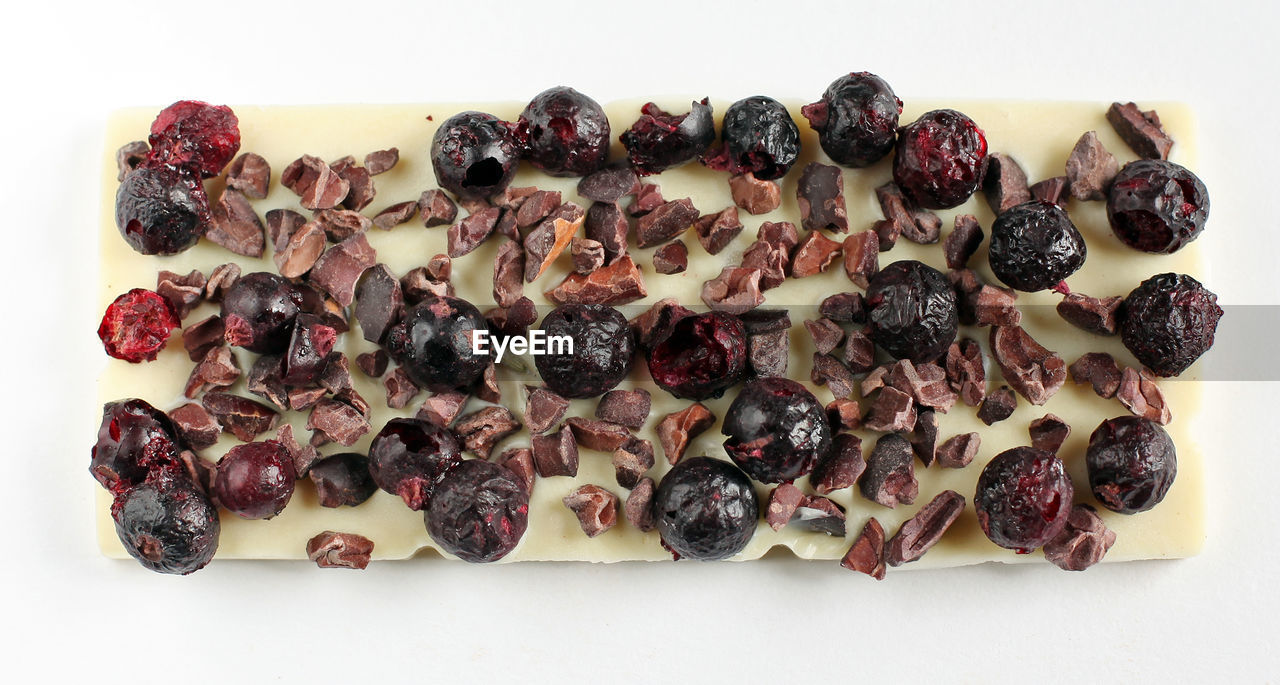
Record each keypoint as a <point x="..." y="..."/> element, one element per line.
<point x="519" y="460"/>
<point x="769" y="353"/>
<point x="813" y="255"/>
<point x="196" y="426"/>
<point x="309" y="344"/>
<point x="537" y="206"/>
<point x="655" y="324"/>
<point x="629" y="408"/>
<point x="861" y="257"/>
<point x="841" y="467"/>
<point x="844" y="413"/>
<point x="340" y="550"/>
<point x="781" y="234"/>
<point x="966" y="285"/>
<point x="1090" y="168"/>
<point x="595" y="507"/>
<point x="487" y="388"/>
<point x="240" y="416"/>
<point x="508" y="273"/>
<point x="400" y="390"/>
<point x="646" y="199"/>
<point x="297" y="254"/>
<point x="250" y="174"/>
<point x="339" y="269"/>
<point x="754" y="195"/>
<point x="381" y="161"/>
<point x="301" y="399"/>
<point x="512" y="198"/>
<point x="618" y="283"/>
<point x="436" y="208"/>
<point x="360" y="192"/>
<point x="997" y="406"/>
<point x="1140" y="130"/>
<point x="266" y="380"/>
<point x="333" y="420"/>
<point x="513" y="320"/>
<point x="901" y="219"/>
<point x="550" y="238"/>
<point x="665" y="222"/>
<point x="130" y="156"/>
<point x="373" y="364"/>
<point x="281" y="225"/>
<point x="506" y="226"/>
<point x="925" y="383"/>
<point x="759" y="321"/>
<point x="890" y="477"/>
<point x="379" y="302"/>
<point x="888" y="233"/>
<point x="1082" y="543"/>
<point x="993" y="306"/>
<point x="336" y="377"/>
<point x="820" y="195"/>
<point x="236" y="226"/>
<point x="924" y="437"/>
<point x="1005" y="183"/>
<point x="958" y="451"/>
<point x="892" y="411"/>
<point x="859" y="352"/>
<point x="480" y="431"/>
<point x="963" y="241"/>
<point x="419" y="284"/>
<point x="1035" y="372"/>
<point x="1054" y="190"/>
<point x="826" y="334"/>
<point x="875" y="379"/>
<point x="844" y="307"/>
<point x="316" y="183"/>
<point x="639" y="505"/>
<point x="736" y="290"/>
<point x="921" y="532"/>
<point x="609" y="184"/>
<point x="1100" y="370"/>
<point x="925" y="227"/>
<point x="866" y="555"/>
<point x="593" y="434"/>
<point x="342" y="163"/>
<point x="466" y="235"/>
<point x="1140" y="394"/>
<point x="831" y="372"/>
<point x="201" y="471"/>
<point x="965" y="371"/>
<point x="782" y="505"/>
<point x="555" y="454"/>
<point x="1092" y="314"/>
<point x="820" y="515"/>
<point x="770" y="260"/>
<point x="182" y="292"/>
<point x="672" y="258"/>
<point x="396" y="214"/>
<point x="606" y="224"/>
<point x="588" y="255"/>
<point x="442" y="408"/>
<point x="543" y="409"/>
<point x="716" y="231"/>
<point x="675" y="430"/>
<point x="631" y="460"/>
<point x="217" y="369"/>
<point x="1048" y="433"/>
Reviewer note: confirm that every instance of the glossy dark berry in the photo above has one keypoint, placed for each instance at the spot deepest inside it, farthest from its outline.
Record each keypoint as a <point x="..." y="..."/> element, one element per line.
<point x="161" y="210"/>
<point x="940" y="160"/>
<point x="758" y="136"/>
<point x="1023" y="498"/>
<point x="342" y="480"/>
<point x="912" y="311"/>
<point x="1132" y="463"/>
<point x="479" y="512"/>
<point x="1034" y="246"/>
<point x="659" y="141"/>
<point x="777" y="430"/>
<point x="705" y="509"/>
<point x="564" y="132"/>
<point x="1157" y="206"/>
<point x="255" y="480"/>
<point x="259" y="312"/>
<point x="856" y="119"/>
<point x="168" y="525"/>
<point x="474" y="155"/>
<point x="135" y="441"/>
<point x="1168" y="321"/>
<point x="703" y="356"/>
<point x="433" y="343"/>
<point x="408" y="457"/>
<point x="196" y="135"/>
<point x="136" y="326"/>
<point x="603" y="350"/>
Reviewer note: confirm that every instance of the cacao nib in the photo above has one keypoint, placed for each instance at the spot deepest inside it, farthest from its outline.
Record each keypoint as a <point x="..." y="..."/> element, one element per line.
<point x="609" y="184"/>
<point x="618" y="283"/>
<point x="555" y="454"/>
<point x="998" y="406"/>
<point x="925" y="383"/>
<point x="820" y="195"/>
<point x="631" y="460"/>
<point x="339" y="269"/>
<point x="844" y="307"/>
<point x="629" y="408"/>
<point x="965" y="285"/>
<point x="829" y="371"/>
<point x="1140" y="130"/>
<point x="768" y="353"/>
<point x="861" y="257"/>
<point x="340" y="224"/>
<point x="481" y="430"/>
<point x="315" y="182"/>
<point x="1140" y="394"/>
<point x="537" y="206"/>
<point x="381" y="161"/>
<point x="550" y="238"/>
<point x="266" y="380"/>
<point x="1092" y="314"/>
<point x="606" y="224"/>
<point x="965" y="371"/>
<point x="240" y="416"/>
<point x="340" y="550"/>
<point x="841" y="467"/>
<point x="844" y="413"/>
<point x="1048" y="433"/>
<point x="379" y="302"/>
<point x="281" y="225"/>
<point x="672" y="258"/>
<point x="677" y="429"/>
<point x="373" y="364"/>
<point x="754" y="195"/>
<point x="543" y="409"/>
<point x="716" y="231"/>
<point x="826" y="334"/>
<point x="182" y="292"/>
<point x="874" y="380"/>
<point x="436" y="208"/>
<point x="962" y="242"/>
<point x="598" y="435"/>
<point x="859" y="352"/>
<point x="336" y="421"/>
<point x="1100" y="370"/>
<point x="925" y="228"/>
<point x="736" y="290"/>
<point x="130" y="156"/>
<point x="993" y="306"/>
<point x="647" y="199"/>
<point x="1090" y="169"/>
<point x="360" y="187"/>
<point x="508" y="274"/>
<point x="782" y="505"/>
<point x="887" y="232"/>
<point x="924" y="438"/>
<point x="922" y="531"/>
<point x="305" y="398"/>
<point x="309" y="345"/>
<point x="771" y="261"/>
<point x="1082" y="543"/>
<point x="220" y="280"/>
<point x="903" y="219"/>
<point x="200" y="471"/>
<point x="400" y="390"/>
<point x="466" y="235"/>
<point x="487" y="387"/>
<point x="1036" y="373"/>
<point x="196" y="426"/>
<point x="813" y="255"/>
<point x="958" y="451"/>
<point x="639" y="505"/>
<point x="396" y="214"/>
<point x="419" y="284"/>
<point x="513" y="199"/>
<point x="588" y="255"/>
<point x="665" y="222"/>
<point x="781" y="234"/>
<point x="656" y="323"/>
<point x="893" y="411"/>
<point x="820" y="515"/>
<point x="890" y="478"/>
<point x="218" y="369"/>
<point x="236" y="226"/>
<point x="1052" y="190"/>
<point x="336" y="377"/>
<point x="513" y="320"/>
<point x="440" y="409"/>
<point x="297" y="254"/>
<point x="519" y="460"/>
<point x="595" y="507"/>
<point x="250" y="174"/>
<point x="1005" y="183"/>
<point x="867" y="553"/>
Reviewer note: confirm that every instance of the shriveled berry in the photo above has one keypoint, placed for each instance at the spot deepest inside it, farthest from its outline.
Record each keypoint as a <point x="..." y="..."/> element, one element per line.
<point x="136" y="326"/>
<point x="602" y="353"/>
<point x="1168" y="321"/>
<point x="703" y="356"/>
<point x="255" y="480"/>
<point x="474" y="155"/>
<point x="856" y="119"/>
<point x="940" y="160"/>
<point x="912" y="311"/>
<point x="777" y="430"/>
<point x="1132" y="463"/>
<point x="659" y="141"/>
<point x="433" y="344"/>
<point x="259" y="312"/>
<point x="342" y="480"/>
<point x="479" y="512"/>
<point x="1023" y="498"/>
<point x="758" y="137"/>
<point x="168" y="525"/>
<point x="135" y="441"/>
<point x="195" y="135"/>
<point x="162" y="210"/>
<point x="1034" y="246"/>
<point x="1157" y="206"/>
<point x="705" y="509"/>
<point x="408" y="457"/>
<point x="564" y="132"/>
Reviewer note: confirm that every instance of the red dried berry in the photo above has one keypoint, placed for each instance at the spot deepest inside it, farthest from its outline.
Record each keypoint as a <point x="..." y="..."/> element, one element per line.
<point x="941" y="159"/>
<point x="659" y="141"/>
<point x="255" y="480"/>
<point x="758" y="137"/>
<point x="479" y="512"/>
<point x="135" y="442"/>
<point x="702" y="357"/>
<point x="196" y="135"/>
<point x="564" y="133"/>
<point x="777" y="430"/>
<point x="162" y="210"/>
<point x="136" y="326"/>
<point x="1157" y="206"/>
<point x="1023" y="498"/>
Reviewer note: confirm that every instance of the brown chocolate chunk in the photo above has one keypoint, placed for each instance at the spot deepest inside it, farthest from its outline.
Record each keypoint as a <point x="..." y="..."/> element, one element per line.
<point x="617" y="283"/>
<point x="754" y="195"/>
<point x="769" y="260"/>
<point x="921" y="532"/>
<point x="519" y="460"/>
<point x="629" y="408"/>
<point x="736" y="290"/>
<point x="305" y="398"/>
<point x="481" y="430"/>
<point x="1035" y="372"/>
<point x="281" y="225"/>
<point x="606" y="224"/>
<point x="1052" y="190"/>
<point x="512" y="198"/>
<point x="844" y="413"/>
<point x="958" y="451"/>
<point x="925" y="227"/>
<point x="396" y="214"/>
<point x="130" y="156"/>
<point x="336" y="421"/>
<point x="890" y="478"/>
<point x="400" y="390"/>
<point x="467" y="234"/>
<point x="675" y="430"/>
<point x="555" y="454"/>
<point x="381" y="161"/>
<point x="250" y="174"/>
<point x="647" y="198"/>
<point x="340" y="550"/>
<point x="182" y="292"/>
<point x="592" y="434"/>
<point x="373" y="364"/>
<point x="716" y="231"/>
<point x="859" y="352"/>
<point x="1082" y="543"/>
<point x="656" y="323"/>
<point x="1100" y="370"/>
<point x="831" y="372"/>
<point x="639" y="505"/>
<point x="337" y="373"/>
<point x="841" y="467"/>
<point x="861" y="257"/>
<point x="588" y="255"/>
<point x="997" y="406"/>
<point x="1005" y="183"/>
<point x="893" y="411"/>
<point x="419" y="284"/>
<point x="874" y="380"/>
<point x="665" y="222"/>
<point x="1140" y="130"/>
<point x="813" y="255"/>
<point x="195" y="425"/>
<point x="201" y="471"/>
<point x="609" y="184"/>
<point x="339" y="269"/>
<point x="926" y="384"/>
<point x="266" y="380"/>
<point x="543" y="409"/>
<point x="1090" y="168"/>
<point x="820" y="515"/>
<point x="436" y="208"/>
<point x="315" y="182"/>
<point x="782" y="505"/>
<point x="672" y="258"/>
<point x="768" y="353"/>
<point x="781" y="234"/>
<point x="442" y="408"/>
<point x="963" y="241"/>
<point x="550" y="238"/>
<point x="595" y="507"/>
<point x="888" y="233"/>
<point x="218" y="369"/>
<point x="537" y="207"/>
<point x="867" y="553"/>
<point x="513" y="320"/>
<point x="760" y="321"/>
<point x="299" y="252"/>
<point x="820" y="195"/>
<point x="1140" y="394"/>
<point x="994" y="306"/>
<point x="379" y="302"/>
<point x="965" y="372"/>
<point x="508" y="273"/>
<point x="826" y="334"/>
<point x="924" y="437"/>
<point x="487" y="388"/>
<point x="240" y="416"/>
<point x="900" y="218"/>
<point x="1092" y="314"/>
<point x="631" y="461"/>
<point x="1048" y="433"/>
<point x="360" y="192"/>
<point x="236" y="226"/>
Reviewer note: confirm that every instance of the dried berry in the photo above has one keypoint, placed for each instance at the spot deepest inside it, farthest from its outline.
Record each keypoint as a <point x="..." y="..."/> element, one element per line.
<point x="564" y="133"/>
<point x="658" y="141"/>
<point x="705" y="509"/>
<point x="474" y="155"/>
<point x="856" y="119"/>
<point x="912" y="311"/>
<point x="259" y="312"/>
<point x="777" y="430"/>
<point x="255" y="480"/>
<point x="479" y="512"/>
<point x="940" y="159"/>
<point x="162" y="210"/>
<point x="135" y="441"/>
<point x="168" y="525"/>
<point x="195" y="135"/>
<point x="600" y="356"/>
<point x="1132" y="463"/>
<point x="1034" y="246"/>
<point x="433" y="344"/>
<point x="137" y="325"/>
<point x="1023" y="498"/>
<point x="408" y="457"/>
<point x="1157" y="206"/>
<point x="1168" y="321"/>
<point x="702" y="356"/>
<point x="758" y="137"/>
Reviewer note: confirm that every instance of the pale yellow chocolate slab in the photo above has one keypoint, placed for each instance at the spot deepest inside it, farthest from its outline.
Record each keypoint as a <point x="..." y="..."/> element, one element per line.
<point x="1038" y="135"/>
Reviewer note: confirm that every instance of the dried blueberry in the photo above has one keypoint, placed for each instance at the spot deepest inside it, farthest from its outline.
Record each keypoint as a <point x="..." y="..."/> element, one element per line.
<point x="940" y="160"/>
<point x="479" y="512"/>
<point x="602" y="352"/>
<point x="195" y="135"/>
<point x="705" y="509"/>
<point x="1168" y="321"/>
<point x="777" y="430"/>
<point x="162" y="210"/>
<point x="259" y="312"/>
<point x="408" y="457"/>
<point x="1023" y="498"/>
<point x="702" y="356"/>
<point x="912" y="311"/>
<point x="564" y="132"/>
<point x="1034" y="246"/>
<point x="135" y="441"/>
<point x="1132" y="463"/>
<point x="255" y="480"/>
<point x="433" y="344"/>
<point x="659" y="141"/>
<point x="474" y="155"/>
<point x="758" y="137"/>
<point x="856" y="119"/>
<point x="168" y="525"/>
<point x="1157" y="206"/>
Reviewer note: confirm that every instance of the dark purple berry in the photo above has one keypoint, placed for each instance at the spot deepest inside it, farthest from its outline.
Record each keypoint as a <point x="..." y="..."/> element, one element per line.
<point x="161" y="210"/>
<point x="703" y="356"/>
<point x="1034" y="246"/>
<point x="343" y="480"/>
<point x="255" y="480"/>
<point x="259" y="312"/>
<point x="408" y="457"/>
<point x="196" y="135"/>
<point x="474" y="155"/>
<point x="1157" y="206"/>
<point x="168" y="525"/>
<point x="777" y="430"/>
<point x="758" y="136"/>
<point x="912" y="311"/>
<point x="705" y="509"/>
<point x="137" y="325"/>
<point x="564" y="132"/>
<point x="434" y="344"/>
<point x="659" y="141"/>
<point x="856" y="119"/>
<point x="602" y="352"/>
<point x="1023" y="499"/>
<point x="1168" y="321"/>
<point x="1132" y="463"/>
<point x="479" y="512"/>
<point x="941" y="159"/>
<point x="135" y="441"/>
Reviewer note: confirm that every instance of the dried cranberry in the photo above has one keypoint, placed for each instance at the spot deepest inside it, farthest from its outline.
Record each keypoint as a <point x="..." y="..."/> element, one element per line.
<point x="912" y="311"/>
<point x="659" y="141"/>
<point x="255" y="480"/>
<point x="1132" y="462"/>
<point x="702" y="356"/>
<point x="168" y="525"/>
<point x="259" y="312"/>
<point x="602" y="352"/>
<point x="195" y="135"/>
<point x="856" y="119"/>
<point x="940" y="160"/>
<point x="343" y="480"/>
<point x="564" y="132"/>
<point x="1168" y="321"/>
<point x="433" y="344"/>
<point x="1157" y="206"/>
<point x="162" y="210"/>
<point x="474" y="155"/>
<point x="479" y="512"/>
<point x="1023" y="498"/>
<point x="408" y="457"/>
<point x="705" y="509"/>
<point x="1034" y="246"/>
<point x="777" y="430"/>
<point x="758" y="137"/>
<point x="136" y="326"/>
<point x="135" y="441"/>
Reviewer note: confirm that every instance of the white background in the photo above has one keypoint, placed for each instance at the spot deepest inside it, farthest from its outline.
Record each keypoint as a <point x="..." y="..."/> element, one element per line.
<point x="68" y="612"/>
